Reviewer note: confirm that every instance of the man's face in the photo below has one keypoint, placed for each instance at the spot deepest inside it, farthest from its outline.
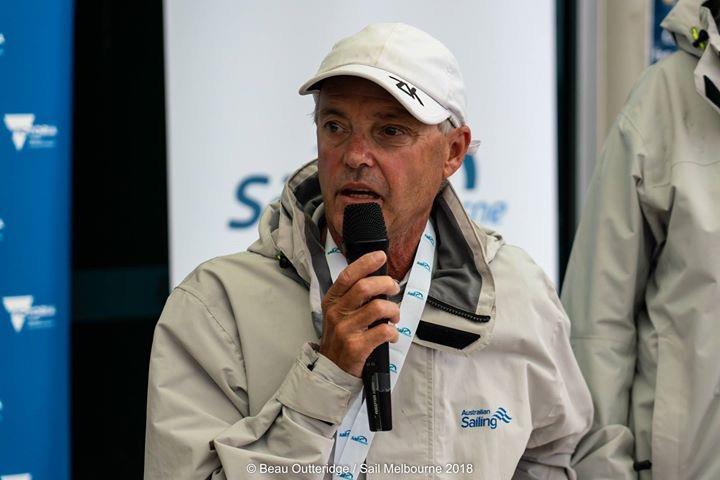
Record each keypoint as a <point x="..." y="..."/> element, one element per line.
<point x="370" y="149"/>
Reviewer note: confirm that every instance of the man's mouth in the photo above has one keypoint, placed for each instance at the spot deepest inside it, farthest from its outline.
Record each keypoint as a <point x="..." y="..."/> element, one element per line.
<point x="359" y="193"/>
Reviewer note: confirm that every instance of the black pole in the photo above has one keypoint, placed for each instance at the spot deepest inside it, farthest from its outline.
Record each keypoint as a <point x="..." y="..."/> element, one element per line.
<point x="566" y="50"/>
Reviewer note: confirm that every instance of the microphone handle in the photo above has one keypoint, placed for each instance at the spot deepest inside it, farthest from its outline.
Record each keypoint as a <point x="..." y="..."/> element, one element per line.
<point x="376" y="372"/>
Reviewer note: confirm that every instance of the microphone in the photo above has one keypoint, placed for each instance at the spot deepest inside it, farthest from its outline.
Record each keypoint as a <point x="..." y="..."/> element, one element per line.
<point x="363" y="232"/>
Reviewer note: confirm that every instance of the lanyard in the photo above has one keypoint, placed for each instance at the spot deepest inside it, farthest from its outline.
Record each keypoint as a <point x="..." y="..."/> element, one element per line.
<point x="354" y="437"/>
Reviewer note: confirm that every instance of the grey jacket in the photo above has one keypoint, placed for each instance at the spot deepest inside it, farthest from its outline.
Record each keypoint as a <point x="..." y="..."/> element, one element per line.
<point x="231" y="390"/>
<point x="643" y="283"/>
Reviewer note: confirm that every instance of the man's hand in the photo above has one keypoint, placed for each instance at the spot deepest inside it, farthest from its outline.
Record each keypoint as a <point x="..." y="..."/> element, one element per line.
<point x="348" y="311"/>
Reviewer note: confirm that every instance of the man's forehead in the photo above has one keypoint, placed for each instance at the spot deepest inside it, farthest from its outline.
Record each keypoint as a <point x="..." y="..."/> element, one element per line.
<point x="337" y="90"/>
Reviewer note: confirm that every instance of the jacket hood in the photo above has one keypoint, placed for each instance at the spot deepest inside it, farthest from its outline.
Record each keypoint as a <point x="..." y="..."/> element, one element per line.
<point x="696" y="22"/>
<point x="290" y="231"/>
<point x="679" y="22"/>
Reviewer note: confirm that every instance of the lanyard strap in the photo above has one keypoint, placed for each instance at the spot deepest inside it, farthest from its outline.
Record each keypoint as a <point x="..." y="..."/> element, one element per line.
<point x="354" y="437"/>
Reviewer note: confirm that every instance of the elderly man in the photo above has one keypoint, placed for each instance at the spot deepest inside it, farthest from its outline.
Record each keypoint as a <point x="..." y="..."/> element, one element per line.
<point x="257" y="356"/>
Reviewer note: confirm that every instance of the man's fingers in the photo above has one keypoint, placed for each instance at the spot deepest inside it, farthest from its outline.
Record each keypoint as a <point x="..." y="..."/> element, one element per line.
<point x="360" y="268"/>
<point x="366" y="289"/>
<point x="375" y="310"/>
<point x="350" y="307"/>
<point x="382" y="333"/>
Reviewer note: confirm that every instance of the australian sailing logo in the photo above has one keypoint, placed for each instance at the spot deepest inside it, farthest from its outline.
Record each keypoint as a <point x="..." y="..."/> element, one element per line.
<point x="424" y="265"/>
<point x="405" y="331"/>
<point x="484" y="418"/>
<point x="416" y="293"/>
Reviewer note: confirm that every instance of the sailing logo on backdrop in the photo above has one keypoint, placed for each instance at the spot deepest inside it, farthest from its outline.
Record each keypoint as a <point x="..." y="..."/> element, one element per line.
<point x="252" y="193"/>
<point x="22" y="311"/>
<point x="481" y="211"/>
<point x="2" y="229"/>
<point x="2" y="44"/>
<point x="253" y="190"/>
<point x="23" y="129"/>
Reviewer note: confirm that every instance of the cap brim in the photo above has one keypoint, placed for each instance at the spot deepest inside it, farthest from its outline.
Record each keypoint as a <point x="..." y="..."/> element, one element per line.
<point x="418" y="103"/>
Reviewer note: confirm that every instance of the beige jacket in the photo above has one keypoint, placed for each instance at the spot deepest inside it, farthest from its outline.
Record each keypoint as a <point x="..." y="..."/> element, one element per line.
<point x="230" y="386"/>
<point x="643" y="283"/>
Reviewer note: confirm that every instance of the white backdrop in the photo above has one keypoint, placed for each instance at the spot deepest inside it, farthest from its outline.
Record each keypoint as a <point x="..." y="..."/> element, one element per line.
<point x="237" y="127"/>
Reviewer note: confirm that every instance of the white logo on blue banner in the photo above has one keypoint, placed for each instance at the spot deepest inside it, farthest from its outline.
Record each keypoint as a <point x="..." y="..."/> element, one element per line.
<point x="18" y="476"/>
<point x="35" y="255"/>
<point x="355" y="426"/>
<point x="22" y="127"/>
<point x="21" y="308"/>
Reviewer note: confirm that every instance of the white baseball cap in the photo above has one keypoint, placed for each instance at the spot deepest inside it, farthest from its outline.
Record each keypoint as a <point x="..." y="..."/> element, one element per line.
<point x="415" y="68"/>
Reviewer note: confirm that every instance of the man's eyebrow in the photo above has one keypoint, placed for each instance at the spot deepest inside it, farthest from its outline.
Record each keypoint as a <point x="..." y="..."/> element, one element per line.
<point x="395" y="114"/>
<point x="331" y="111"/>
<point x="398" y="114"/>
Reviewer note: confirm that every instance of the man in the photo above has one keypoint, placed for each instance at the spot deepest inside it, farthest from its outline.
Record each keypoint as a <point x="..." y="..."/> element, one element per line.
<point x="642" y="286"/>
<point x="257" y="356"/>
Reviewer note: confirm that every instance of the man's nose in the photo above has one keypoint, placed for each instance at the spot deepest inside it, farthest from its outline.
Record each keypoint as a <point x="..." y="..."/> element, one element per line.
<point x="359" y="151"/>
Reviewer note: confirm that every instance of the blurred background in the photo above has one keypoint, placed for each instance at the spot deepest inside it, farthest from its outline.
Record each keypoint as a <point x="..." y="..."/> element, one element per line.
<point x="140" y="139"/>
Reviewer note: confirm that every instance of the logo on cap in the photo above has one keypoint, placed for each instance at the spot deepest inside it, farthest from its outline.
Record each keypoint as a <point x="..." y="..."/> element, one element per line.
<point x="407" y="89"/>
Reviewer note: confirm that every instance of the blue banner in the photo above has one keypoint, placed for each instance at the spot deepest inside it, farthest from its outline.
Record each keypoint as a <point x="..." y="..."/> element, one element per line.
<point x="35" y="133"/>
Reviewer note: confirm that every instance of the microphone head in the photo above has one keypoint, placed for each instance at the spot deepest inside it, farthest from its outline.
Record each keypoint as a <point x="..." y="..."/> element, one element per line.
<point x="363" y="222"/>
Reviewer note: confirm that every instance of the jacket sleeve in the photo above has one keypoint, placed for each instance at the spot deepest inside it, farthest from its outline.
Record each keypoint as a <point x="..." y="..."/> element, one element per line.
<point x="198" y="426"/>
<point x="561" y="408"/>
<point x="603" y="290"/>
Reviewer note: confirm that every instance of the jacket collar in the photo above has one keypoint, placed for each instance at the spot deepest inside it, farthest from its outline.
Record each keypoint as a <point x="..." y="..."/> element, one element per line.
<point x="462" y="293"/>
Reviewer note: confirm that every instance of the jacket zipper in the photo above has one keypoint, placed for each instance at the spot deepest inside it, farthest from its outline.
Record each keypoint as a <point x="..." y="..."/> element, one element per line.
<point x="285" y="264"/>
<point x="456" y="311"/>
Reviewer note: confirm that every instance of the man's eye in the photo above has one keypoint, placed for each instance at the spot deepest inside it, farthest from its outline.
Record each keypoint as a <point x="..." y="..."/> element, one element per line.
<point x="332" y="127"/>
<point x="391" y="131"/>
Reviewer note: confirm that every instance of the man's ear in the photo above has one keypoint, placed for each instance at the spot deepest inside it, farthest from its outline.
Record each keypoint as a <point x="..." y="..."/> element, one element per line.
<point x="458" y="143"/>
